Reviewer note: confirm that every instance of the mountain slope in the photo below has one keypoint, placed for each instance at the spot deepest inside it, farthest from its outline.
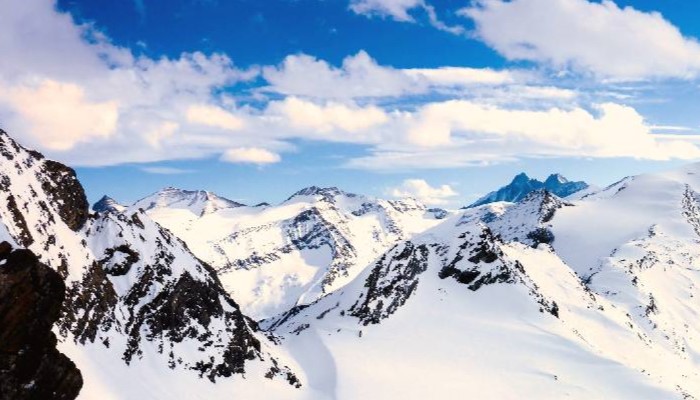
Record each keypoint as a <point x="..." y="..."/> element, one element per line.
<point x="135" y="294"/>
<point x="271" y="258"/>
<point x="31" y="295"/>
<point x="604" y="307"/>
<point x="522" y="185"/>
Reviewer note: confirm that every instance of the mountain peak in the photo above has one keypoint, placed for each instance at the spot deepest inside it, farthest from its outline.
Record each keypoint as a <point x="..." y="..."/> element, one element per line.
<point x="327" y="193"/>
<point x="555" y="179"/>
<point x="107" y="204"/>
<point x="200" y="202"/>
<point x="521" y="178"/>
<point x="522" y="185"/>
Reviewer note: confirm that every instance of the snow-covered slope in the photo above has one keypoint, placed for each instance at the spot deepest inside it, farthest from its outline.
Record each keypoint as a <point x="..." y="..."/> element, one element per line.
<point x="271" y="258"/>
<point x="135" y="295"/>
<point x="522" y="185"/>
<point x="590" y="299"/>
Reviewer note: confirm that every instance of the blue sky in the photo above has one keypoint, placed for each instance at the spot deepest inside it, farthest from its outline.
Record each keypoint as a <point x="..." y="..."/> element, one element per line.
<point x="441" y="100"/>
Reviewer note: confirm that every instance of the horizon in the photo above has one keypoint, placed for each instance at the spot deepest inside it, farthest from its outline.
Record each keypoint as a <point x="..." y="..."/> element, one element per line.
<point x="432" y="99"/>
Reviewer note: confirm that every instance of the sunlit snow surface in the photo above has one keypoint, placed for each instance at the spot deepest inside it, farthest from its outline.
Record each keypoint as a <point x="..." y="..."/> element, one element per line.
<point x="470" y="306"/>
<point x="271" y="258"/>
<point x="623" y="270"/>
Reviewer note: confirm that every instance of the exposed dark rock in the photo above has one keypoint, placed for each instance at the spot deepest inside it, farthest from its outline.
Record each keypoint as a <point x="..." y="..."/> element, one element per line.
<point x="24" y="236"/>
<point x="66" y="192"/>
<point x="115" y="268"/>
<point x="541" y="235"/>
<point x="106" y="204"/>
<point x="30" y="300"/>
<point x="394" y="278"/>
<point x="89" y="305"/>
<point x="179" y="307"/>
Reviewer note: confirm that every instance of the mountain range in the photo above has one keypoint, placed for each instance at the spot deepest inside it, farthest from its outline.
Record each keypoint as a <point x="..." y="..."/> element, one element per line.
<point x="539" y="292"/>
<point x="522" y="185"/>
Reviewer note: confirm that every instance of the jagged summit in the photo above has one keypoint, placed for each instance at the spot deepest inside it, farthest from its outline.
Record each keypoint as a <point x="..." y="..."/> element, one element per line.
<point x="272" y="257"/>
<point x="522" y="185"/>
<point x="137" y="300"/>
<point x="327" y="193"/>
<point x="107" y="204"/>
<point x="199" y="202"/>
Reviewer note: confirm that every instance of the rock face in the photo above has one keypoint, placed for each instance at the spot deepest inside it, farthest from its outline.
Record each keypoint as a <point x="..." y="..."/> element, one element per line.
<point x="132" y="288"/>
<point x="30" y="301"/>
<point x="522" y="185"/>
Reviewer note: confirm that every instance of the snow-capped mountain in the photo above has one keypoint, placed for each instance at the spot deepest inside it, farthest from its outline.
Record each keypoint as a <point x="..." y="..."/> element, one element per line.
<point x="138" y="303"/>
<point x="196" y="202"/>
<point x="522" y="185"/>
<point x="594" y="298"/>
<point x="271" y="258"/>
<point x="107" y="204"/>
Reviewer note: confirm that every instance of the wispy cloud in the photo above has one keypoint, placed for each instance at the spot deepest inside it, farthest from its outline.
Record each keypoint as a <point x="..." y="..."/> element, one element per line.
<point x="166" y="170"/>
<point x="400" y="10"/>
<point x="140" y="7"/>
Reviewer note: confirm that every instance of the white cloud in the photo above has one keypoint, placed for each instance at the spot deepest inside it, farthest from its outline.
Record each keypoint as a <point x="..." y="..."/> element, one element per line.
<point x="86" y="101"/>
<point x="596" y="37"/>
<point x="360" y="76"/>
<point x="161" y="132"/>
<point x="420" y="190"/>
<point x="399" y="10"/>
<point x="460" y="133"/>
<point x="59" y="114"/>
<point x="108" y="106"/>
<point x="166" y="170"/>
<point x="250" y="155"/>
<point x="328" y="118"/>
<point x="396" y="9"/>
<point x="461" y="76"/>
<point x="214" y="116"/>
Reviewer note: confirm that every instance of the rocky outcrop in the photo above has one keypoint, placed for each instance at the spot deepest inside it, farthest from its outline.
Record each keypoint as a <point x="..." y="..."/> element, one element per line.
<point x="394" y="278"/>
<point x="30" y="301"/>
<point x="61" y="185"/>
<point x="129" y="284"/>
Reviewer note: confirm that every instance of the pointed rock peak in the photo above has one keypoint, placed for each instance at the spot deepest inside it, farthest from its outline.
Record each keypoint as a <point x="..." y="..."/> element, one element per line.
<point x="522" y="185"/>
<point x="555" y="179"/>
<point x="107" y="204"/>
<point x="521" y="178"/>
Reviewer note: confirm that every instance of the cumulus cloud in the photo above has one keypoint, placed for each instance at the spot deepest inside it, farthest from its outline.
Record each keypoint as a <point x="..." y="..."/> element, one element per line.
<point x="106" y="105"/>
<point x="420" y="190"/>
<point x="597" y="37"/>
<point x="250" y="155"/>
<point x="110" y="106"/>
<point x="59" y="114"/>
<point x="460" y="133"/>
<point x="214" y="116"/>
<point x="360" y="76"/>
<point x="327" y="118"/>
